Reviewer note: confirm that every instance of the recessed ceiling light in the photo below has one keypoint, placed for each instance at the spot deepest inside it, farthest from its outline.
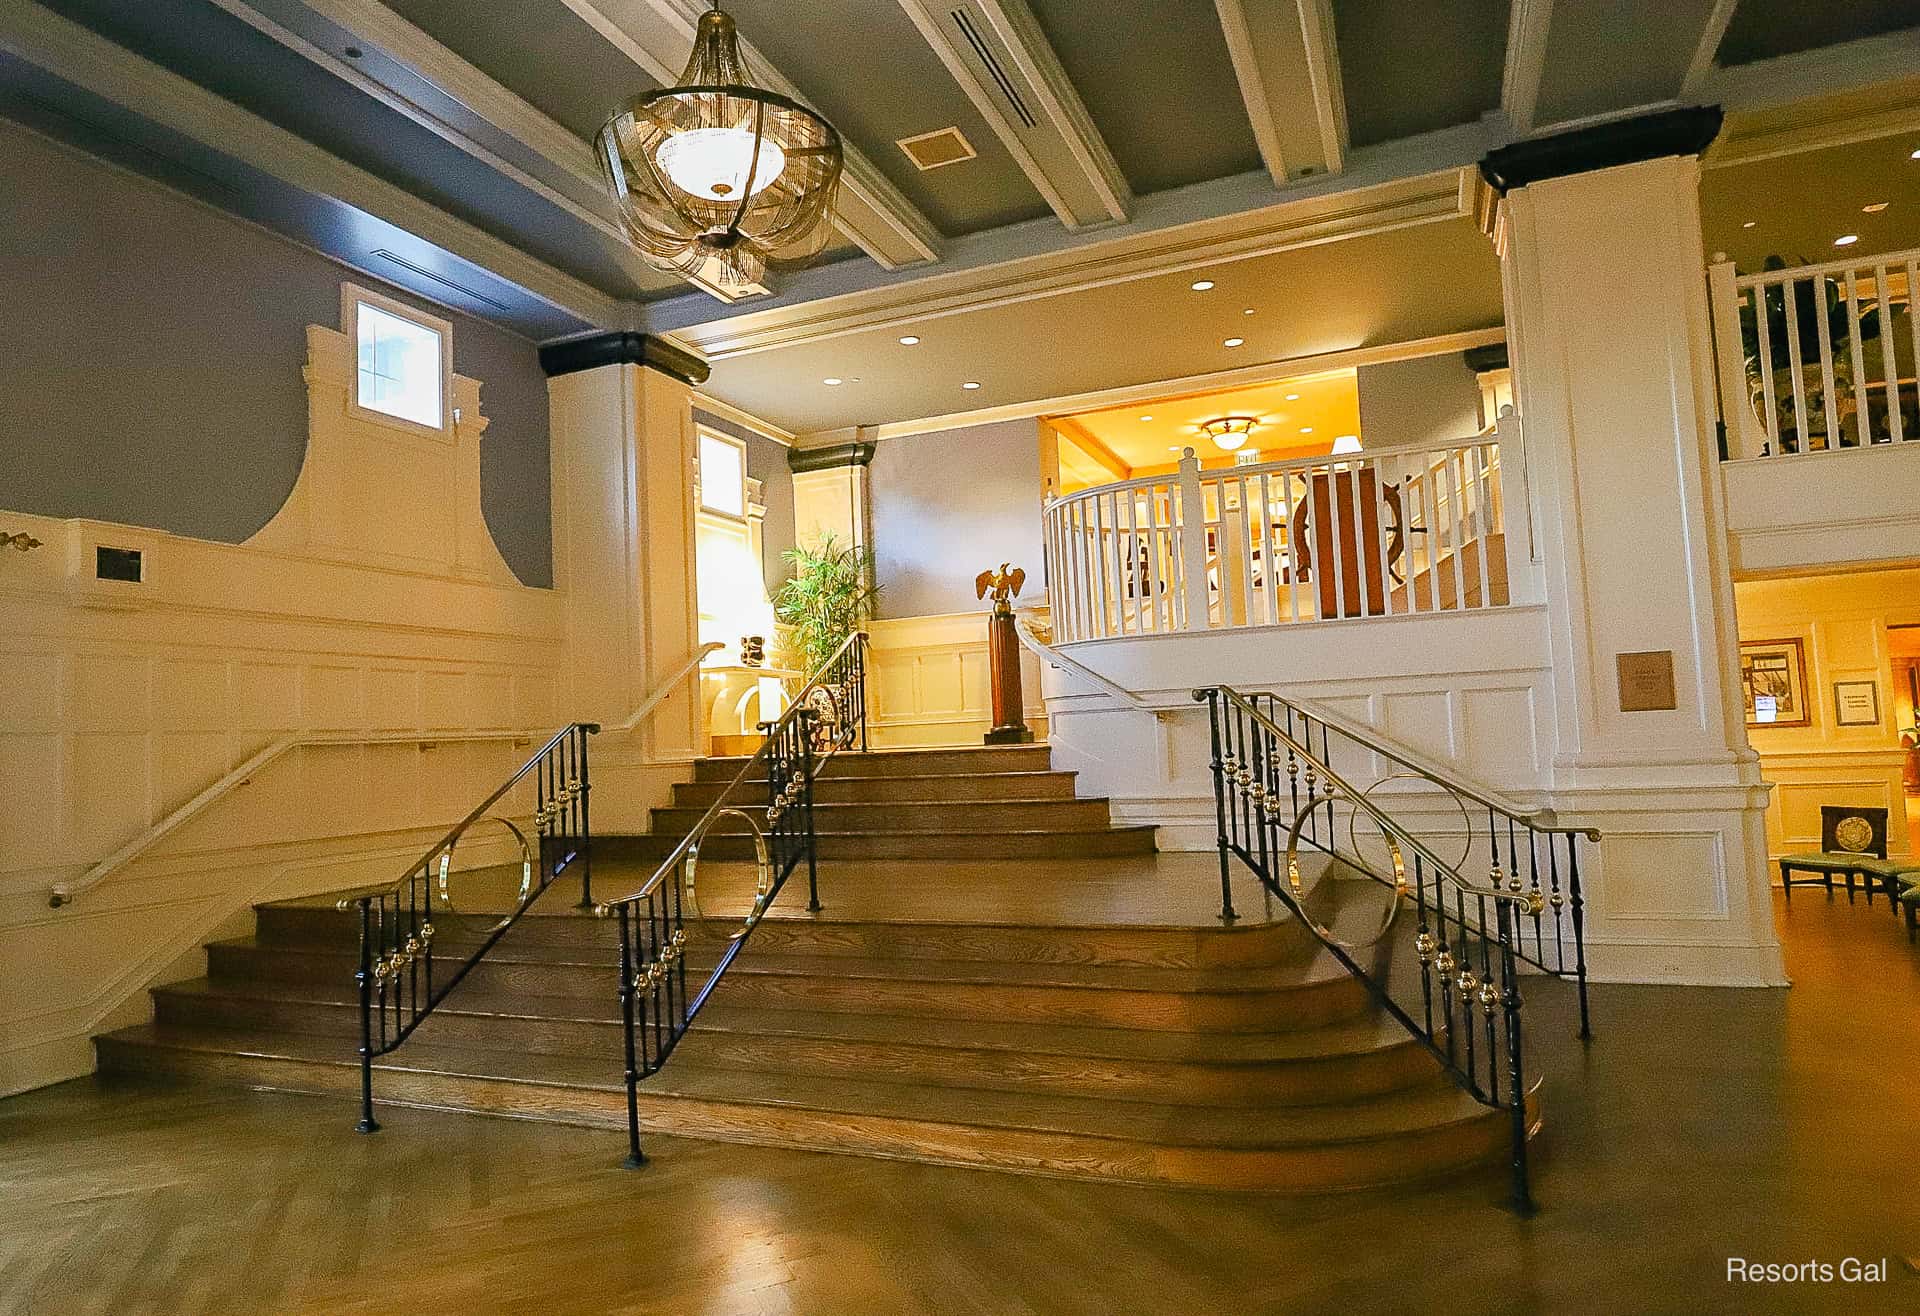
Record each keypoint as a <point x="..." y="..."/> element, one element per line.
<point x="1846" y="239"/>
<point x="1248" y="311"/>
<point x="908" y="340"/>
<point x="1201" y="285"/>
<point x="971" y="383"/>
<point x="1914" y="156"/>
<point x="1750" y="223"/>
<point x="832" y="380"/>
<point x="1293" y="397"/>
<point x="1146" y="418"/>
<point x="1306" y="429"/>
<point x="353" y="52"/>
<point x="1233" y="342"/>
<point x="1875" y="208"/>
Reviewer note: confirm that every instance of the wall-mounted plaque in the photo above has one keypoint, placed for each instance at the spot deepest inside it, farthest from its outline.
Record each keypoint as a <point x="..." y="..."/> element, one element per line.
<point x="1856" y="704"/>
<point x="1646" y="680"/>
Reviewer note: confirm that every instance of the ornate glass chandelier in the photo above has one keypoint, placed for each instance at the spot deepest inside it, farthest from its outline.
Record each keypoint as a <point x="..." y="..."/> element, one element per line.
<point x="718" y="178"/>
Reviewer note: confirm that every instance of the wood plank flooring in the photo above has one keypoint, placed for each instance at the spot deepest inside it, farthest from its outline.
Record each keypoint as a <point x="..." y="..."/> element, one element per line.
<point x="1700" y="1124"/>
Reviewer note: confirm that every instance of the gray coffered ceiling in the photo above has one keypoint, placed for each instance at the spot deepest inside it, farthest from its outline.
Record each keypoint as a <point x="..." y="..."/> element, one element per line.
<point x="459" y="132"/>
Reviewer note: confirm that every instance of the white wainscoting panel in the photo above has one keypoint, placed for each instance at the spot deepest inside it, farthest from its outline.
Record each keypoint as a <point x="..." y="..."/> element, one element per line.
<point x="928" y="682"/>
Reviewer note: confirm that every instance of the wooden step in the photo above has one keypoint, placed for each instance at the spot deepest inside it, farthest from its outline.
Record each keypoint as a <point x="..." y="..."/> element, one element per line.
<point x="791" y="931"/>
<point x="1417" y="1132"/>
<point x="1238" y="1000"/>
<point x="1082" y="815"/>
<point x="1355" y="1058"/>
<point x="886" y="762"/>
<point x="952" y="844"/>
<point x="834" y="789"/>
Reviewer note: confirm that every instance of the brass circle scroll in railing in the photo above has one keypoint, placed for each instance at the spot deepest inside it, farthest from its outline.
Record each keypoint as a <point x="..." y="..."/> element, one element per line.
<point x="1399" y="888"/>
<point x="445" y="866"/>
<point x="762" y="861"/>
<point x="1353" y="818"/>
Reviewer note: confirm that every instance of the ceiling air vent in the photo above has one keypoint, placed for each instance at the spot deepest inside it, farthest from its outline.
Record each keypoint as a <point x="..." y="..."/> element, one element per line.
<point x="995" y="70"/>
<point x="421" y="271"/>
<point x="943" y="147"/>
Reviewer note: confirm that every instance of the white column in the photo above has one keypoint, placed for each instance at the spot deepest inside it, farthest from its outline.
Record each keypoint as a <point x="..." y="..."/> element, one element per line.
<point x="1607" y="321"/>
<point x="831" y="495"/>
<point x="623" y="463"/>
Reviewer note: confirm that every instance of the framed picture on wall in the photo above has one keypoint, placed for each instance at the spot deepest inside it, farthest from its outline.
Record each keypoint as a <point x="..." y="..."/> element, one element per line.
<point x="1856" y="704"/>
<point x="1773" y="680"/>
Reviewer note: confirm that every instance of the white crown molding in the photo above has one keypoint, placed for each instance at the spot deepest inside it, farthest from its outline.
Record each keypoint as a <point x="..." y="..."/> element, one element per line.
<point x="1187" y="385"/>
<point x="1063" y="155"/>
<point x="77" y="55"/>
<point x="1839" y="119"/>
<point x="1288" y="68"/>
<point x="742" y="417"/>
<point x="1852" y="66"/>
<point x="657" y="34"/>
<point x="1425" y="199"/>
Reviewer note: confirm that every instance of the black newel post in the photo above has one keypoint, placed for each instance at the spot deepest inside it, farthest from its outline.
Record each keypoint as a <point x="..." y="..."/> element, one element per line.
<point x="364" y="979"/>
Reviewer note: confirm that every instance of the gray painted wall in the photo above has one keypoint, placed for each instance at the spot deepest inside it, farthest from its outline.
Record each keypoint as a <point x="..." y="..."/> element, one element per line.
<point x="1429" y="400"/>
<point x="949" y="505"/>
<point x="767" y="463"/>
<point x="150" y="357"/>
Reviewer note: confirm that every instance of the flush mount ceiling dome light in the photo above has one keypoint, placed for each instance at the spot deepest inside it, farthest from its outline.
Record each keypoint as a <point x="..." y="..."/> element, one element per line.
<point x="1228" y="432"/>
<point x="718" y="178"/>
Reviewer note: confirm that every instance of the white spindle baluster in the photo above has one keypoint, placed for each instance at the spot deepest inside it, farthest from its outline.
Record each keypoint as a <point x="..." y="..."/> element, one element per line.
<point x="1793" y="367"/>
<point x="1863" y="415"/>
<point x="1823" y="334"/>
<point x="1889" y="353"/>
<point x="1913" y="322"/>
<point x="1296" y="505"/>
<point x="1121" y="603"/>
<point x="1269" y="553"/>
<point x="1482" y="516"/>
<point x="1759" y="294"/>
<point x="1102" y="587"/>
<point x="1430" y="513"/>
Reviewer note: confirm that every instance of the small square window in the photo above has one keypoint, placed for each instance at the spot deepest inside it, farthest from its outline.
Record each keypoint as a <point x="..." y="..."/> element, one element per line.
<point x="402" y="358"/>
<point x="399" y="367"/>
<point x="723" y="475"/>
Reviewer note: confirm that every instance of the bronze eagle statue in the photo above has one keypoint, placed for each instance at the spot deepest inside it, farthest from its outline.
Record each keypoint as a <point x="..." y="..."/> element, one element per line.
<point x="1004" y="583"/>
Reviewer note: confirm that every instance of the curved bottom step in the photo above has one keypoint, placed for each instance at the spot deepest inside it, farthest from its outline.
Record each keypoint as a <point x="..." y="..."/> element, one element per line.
<point x="1399" y="1138"/>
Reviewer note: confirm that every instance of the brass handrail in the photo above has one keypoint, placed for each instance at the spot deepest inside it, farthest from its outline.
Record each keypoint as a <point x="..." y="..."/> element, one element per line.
<point x="720" y="803"/>
<point x="1530" y="901"/>
<point x="1539" y="818"/>
<point x="564" y="794"/>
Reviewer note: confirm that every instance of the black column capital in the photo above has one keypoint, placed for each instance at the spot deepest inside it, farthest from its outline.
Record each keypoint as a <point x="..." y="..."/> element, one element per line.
<point x="825" y="459"/>
<point x="1686" y="131"/>
<point x="591" y="351"/>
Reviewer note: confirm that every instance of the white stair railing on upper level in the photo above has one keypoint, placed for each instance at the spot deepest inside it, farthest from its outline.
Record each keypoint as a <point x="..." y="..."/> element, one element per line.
<point x="1370" y="534"/>
<point x="1817" y="358"/>
<point x="64" y="893"/>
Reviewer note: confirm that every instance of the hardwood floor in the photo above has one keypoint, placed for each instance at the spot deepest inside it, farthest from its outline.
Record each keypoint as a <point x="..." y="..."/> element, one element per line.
<point x="1701" y="1124"/>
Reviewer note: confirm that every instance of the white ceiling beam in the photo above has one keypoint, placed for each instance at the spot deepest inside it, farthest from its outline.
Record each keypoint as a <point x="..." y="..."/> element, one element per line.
<point x="415" y="76"/>
<point x="1526" y="63"/>
<point x="1000" y="57"/>
<point x="657" y="36"/>
<point x="1828" y="71"/>
<point x="1712" y="33"/>
<point x="1288" y="66"/>
<point x="77" y="55"/>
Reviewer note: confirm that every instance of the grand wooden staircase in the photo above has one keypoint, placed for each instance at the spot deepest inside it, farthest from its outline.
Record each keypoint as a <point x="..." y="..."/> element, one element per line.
<point x="1069" y="1009"/>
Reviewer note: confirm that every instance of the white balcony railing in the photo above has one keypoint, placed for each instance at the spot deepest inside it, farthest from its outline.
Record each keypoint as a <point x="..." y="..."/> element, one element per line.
<point x="1373" y="534"/>
<point x="1817" y="357"/>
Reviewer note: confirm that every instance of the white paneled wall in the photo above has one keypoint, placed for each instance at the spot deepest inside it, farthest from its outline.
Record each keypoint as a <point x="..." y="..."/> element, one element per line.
<point x="928" y="685"/>
<point x="121" y="701"/>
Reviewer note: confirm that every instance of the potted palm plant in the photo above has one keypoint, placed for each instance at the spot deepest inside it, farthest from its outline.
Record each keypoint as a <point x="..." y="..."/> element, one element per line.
<point x="829" y="595"/>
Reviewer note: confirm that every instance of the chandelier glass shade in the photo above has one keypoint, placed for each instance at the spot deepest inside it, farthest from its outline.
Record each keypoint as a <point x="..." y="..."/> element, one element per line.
<point x="719" y="179"/>
<point x="1228" y="432"/>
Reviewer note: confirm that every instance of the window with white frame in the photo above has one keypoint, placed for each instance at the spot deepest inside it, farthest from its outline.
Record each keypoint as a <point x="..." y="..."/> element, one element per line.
<point x="403" y="359"/>
<point x="723" y="474"/>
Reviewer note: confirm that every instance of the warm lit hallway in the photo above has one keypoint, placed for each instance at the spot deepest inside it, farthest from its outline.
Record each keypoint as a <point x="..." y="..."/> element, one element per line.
<point x="1701" y="1124"/>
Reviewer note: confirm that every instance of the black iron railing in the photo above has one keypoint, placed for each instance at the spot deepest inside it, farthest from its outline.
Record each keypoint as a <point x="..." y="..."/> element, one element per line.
<point x="1277" y="790"/>
<point x="401" y="978"/>
<point x="659" y="996"/>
